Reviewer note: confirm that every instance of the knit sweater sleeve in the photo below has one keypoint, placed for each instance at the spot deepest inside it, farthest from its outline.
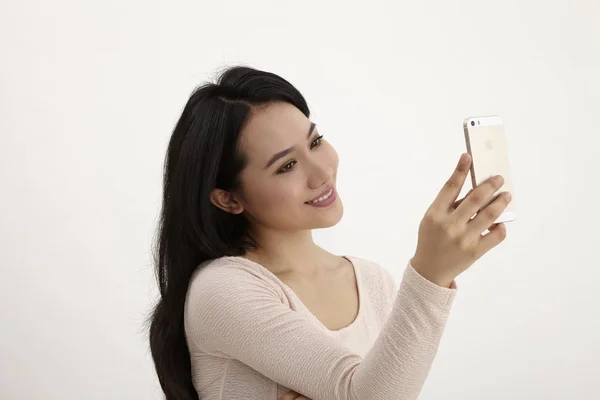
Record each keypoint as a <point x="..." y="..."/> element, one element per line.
<point x="239" y="314"/>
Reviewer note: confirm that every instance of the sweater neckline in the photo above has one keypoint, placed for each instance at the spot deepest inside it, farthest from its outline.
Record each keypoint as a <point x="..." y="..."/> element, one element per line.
<point x="359" y="286"/>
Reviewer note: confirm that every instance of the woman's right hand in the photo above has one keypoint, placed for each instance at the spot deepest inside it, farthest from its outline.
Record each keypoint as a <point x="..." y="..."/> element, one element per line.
<point x="450" y="240"/>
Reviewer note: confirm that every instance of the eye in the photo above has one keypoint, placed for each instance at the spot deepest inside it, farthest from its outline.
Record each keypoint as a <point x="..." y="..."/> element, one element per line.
<point x="317" y="142"/>
<point x="287" y="167"/>
<point x="290" y="166"/>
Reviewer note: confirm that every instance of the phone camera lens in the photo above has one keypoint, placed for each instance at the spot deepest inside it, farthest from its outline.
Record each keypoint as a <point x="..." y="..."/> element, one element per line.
<point x="472" y="123"/>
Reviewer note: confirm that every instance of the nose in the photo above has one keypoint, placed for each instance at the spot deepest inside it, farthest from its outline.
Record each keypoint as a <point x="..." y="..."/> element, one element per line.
<point x="319" y="175"/>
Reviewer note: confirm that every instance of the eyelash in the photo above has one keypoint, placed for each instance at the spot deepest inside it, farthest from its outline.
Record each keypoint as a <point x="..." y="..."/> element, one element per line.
<point x="283" y="170"/>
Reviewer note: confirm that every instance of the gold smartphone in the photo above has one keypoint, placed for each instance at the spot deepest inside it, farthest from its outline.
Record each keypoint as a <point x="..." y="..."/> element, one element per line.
<point x="488" y="147"/>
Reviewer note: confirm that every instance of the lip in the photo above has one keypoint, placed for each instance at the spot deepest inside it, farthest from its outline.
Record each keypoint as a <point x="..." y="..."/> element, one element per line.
<point x="325" y="203"/>
<point x="321" y="195"/>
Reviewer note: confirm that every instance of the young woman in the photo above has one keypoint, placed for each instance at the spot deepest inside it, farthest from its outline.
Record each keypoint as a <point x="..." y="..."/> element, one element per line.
<point x="250" y="307"/>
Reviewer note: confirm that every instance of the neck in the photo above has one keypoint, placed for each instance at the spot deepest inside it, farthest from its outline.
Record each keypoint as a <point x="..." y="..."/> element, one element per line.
<point x="285" y="252"/>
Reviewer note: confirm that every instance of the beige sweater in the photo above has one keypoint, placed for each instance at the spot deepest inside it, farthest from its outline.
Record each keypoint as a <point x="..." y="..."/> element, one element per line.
<point x="250" y="337"/>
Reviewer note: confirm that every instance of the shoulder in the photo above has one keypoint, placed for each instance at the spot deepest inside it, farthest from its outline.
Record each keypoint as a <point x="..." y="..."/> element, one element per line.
<point x="225" y="290"/>
<point x="227" y="282"/>
<point x="227" y="274"/>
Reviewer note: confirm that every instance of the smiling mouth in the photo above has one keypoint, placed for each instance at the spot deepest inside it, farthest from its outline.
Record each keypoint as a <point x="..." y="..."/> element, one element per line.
<point x="324" y="197"/>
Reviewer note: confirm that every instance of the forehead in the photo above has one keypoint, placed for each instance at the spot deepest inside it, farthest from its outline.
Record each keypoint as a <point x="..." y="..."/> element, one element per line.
<point x="271" y="129"/>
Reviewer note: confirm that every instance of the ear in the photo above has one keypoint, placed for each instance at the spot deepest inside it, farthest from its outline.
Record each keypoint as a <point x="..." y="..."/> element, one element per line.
<point x="226" y="201"/>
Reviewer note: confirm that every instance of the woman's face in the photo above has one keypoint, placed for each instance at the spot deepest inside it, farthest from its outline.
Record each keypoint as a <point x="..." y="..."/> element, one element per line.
<point x="289" y="165"/>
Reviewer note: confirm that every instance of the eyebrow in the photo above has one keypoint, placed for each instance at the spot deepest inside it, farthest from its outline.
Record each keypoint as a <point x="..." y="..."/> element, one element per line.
<point x="285" y="152"/>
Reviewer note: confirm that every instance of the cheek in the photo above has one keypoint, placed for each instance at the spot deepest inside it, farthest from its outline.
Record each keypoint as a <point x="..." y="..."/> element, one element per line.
<point x="273" y="193"/>
<point x="278" y="194"/>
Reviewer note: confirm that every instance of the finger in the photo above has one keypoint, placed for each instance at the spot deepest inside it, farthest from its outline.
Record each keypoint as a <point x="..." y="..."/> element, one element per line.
<point x="496" y="236"/>
<point x="478" y="199"/>
<point x="457" y="202"/>
<point x="494" y="226"/>
<point x="486" y="217"/>
<point x="449" y="193"/>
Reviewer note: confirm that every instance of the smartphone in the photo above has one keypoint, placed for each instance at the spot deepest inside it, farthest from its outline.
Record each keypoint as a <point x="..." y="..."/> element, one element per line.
<point x="488" y="147"/>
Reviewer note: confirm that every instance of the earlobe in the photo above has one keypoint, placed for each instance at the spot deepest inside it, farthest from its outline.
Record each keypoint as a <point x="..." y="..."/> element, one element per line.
<point x="225" y="201"/>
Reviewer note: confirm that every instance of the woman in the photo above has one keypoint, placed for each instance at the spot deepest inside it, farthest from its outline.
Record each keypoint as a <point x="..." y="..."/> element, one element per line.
<point x="251" y="307"/>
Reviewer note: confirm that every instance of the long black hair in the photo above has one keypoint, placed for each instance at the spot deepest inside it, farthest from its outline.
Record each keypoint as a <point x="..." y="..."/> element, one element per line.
<point x="203" y="154"/>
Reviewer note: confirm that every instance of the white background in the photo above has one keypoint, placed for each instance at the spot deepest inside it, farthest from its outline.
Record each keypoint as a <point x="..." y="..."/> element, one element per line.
<point x="89" y="94"/>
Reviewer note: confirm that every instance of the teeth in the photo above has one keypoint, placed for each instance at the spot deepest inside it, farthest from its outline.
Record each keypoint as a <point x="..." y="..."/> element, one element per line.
<point x="322" y="198"/>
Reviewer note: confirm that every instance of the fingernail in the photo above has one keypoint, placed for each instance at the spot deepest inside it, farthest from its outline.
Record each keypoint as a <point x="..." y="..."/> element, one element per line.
<point x="464" y="158"/>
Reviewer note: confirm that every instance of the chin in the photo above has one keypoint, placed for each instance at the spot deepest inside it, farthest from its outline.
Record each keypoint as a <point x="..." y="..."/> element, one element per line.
<point x="329" y="218"/>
